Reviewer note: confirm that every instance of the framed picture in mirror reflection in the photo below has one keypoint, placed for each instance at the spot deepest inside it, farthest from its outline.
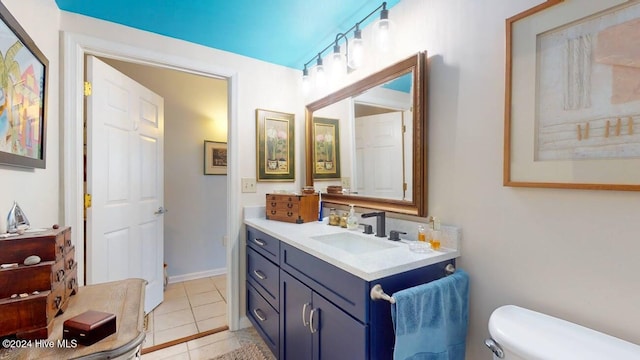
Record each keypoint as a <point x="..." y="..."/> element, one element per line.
<point x="326" y="148"/>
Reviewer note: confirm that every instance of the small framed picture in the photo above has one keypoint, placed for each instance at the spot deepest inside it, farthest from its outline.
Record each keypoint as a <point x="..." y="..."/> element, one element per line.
<point x="215" y="158"/>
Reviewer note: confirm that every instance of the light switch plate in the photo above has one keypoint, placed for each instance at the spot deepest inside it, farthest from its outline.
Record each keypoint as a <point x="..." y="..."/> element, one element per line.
<point x="248" y="185"/>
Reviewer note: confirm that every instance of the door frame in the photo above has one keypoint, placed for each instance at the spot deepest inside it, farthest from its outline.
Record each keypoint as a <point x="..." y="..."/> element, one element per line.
<point x="75" y="47"/>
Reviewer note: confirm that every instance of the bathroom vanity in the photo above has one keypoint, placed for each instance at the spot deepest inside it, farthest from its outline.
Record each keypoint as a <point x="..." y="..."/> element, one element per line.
<point x="308" y="288"/>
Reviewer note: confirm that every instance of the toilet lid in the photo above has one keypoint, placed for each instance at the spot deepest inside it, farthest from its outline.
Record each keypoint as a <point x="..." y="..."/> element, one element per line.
<point x="532" y="335"/>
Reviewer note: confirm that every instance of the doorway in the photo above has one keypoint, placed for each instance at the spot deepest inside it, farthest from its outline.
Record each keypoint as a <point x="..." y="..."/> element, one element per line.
<point x="195" y="223"/>
<point x="76" y="46"/>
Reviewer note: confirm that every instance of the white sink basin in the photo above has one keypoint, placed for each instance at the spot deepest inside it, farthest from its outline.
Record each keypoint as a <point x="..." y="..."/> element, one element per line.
<point x="354" y="243"/>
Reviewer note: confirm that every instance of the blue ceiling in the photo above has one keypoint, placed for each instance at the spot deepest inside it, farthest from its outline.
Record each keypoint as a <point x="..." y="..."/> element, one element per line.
<point x="284" y="32"/>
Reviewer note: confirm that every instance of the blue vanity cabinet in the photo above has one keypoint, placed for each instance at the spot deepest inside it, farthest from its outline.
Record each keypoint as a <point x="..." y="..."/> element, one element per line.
<point x="314" y="328"/>
<point x="263" y="286"/>
<point x="317" y="311"/>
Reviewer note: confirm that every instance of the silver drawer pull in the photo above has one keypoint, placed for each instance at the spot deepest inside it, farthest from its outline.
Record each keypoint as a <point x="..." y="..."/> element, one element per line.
<point x="304" y="315"/>
<point x="260" y="274"/>
<point x="259" y="314"/>
<point x="259" y="242"/>
<point x="311" y="316"/>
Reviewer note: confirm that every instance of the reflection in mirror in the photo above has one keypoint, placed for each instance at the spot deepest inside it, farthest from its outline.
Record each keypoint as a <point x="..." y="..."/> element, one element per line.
<point x="382" y="149"/>
<point x="382" y="165"/>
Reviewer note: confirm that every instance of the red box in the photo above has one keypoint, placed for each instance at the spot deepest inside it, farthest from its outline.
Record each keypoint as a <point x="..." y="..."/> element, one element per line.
<point x="89" y="327"/>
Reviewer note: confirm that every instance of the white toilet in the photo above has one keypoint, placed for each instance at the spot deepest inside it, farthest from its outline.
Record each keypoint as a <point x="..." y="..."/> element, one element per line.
<point x="521" y="334"/>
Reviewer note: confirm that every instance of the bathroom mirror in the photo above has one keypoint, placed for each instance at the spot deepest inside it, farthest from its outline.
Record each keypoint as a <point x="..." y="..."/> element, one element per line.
<point x="381" y="151"/>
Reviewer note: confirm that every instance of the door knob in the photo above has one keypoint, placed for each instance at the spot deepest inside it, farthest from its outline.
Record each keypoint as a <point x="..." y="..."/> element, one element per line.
<point x="160" y="211"/>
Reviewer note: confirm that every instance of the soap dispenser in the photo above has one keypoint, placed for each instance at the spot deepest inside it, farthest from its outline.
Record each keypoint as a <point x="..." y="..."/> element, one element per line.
<point x="352" y="220"/>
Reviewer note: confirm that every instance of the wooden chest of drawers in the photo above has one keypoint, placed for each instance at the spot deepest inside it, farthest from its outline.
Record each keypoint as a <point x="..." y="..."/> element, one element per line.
<point x="292" y="208"/>
<point x="45" y="287"/>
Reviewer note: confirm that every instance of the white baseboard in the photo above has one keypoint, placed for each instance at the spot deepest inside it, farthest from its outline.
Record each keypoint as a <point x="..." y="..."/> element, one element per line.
<point x="244" y="322"/>
<point x="197" y="275"/>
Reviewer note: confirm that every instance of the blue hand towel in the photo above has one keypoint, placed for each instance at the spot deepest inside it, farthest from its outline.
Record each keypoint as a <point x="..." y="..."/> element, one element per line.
<point x="430" y="320"/>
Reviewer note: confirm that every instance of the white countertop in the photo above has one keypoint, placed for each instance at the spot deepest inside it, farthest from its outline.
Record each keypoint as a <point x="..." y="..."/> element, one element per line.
<point x="368" y="266"/>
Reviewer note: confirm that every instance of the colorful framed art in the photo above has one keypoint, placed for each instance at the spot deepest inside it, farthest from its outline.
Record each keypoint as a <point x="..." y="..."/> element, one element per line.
<point x="23" y="88"/>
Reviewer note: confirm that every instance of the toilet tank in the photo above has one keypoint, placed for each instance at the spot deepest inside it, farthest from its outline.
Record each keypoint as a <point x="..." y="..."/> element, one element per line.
<point x="524" y="334"/>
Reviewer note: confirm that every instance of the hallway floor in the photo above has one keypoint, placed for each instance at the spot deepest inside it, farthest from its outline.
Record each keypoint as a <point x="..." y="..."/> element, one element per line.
<point x="192" y="307"/>
<point x="189" y="308"/>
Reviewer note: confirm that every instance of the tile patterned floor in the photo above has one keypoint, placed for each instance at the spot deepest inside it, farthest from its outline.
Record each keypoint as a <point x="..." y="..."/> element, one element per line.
<point x="188" y="308"/>
<point x="211" y="346"/>
<point x="191" y="307"/>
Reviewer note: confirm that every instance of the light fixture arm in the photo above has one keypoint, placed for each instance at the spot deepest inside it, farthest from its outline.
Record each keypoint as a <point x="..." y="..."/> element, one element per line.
<point x="340" y="36"/>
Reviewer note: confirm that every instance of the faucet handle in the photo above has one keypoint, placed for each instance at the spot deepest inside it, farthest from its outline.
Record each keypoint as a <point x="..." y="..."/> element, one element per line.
<point x="368" y="229"/>
<point x="395" y="235"/>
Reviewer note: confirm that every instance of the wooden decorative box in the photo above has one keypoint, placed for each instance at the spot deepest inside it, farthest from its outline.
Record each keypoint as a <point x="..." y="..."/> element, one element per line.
<point x="45" y="287"/>
<point x="89" y="327"/>
<point x="292" y="208"/>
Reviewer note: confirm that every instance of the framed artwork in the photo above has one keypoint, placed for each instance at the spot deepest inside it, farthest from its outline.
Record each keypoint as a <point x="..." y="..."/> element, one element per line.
<point x="326" y="148"/>
<point x="215" y="158"/>
<point x="572" y="115"/>
<point x="23" y="77"/>
<point x="275" y="146"/>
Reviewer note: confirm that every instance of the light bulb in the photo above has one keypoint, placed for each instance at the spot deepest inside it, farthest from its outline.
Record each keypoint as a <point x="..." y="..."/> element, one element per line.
<point x="383" y="31"/>
<point x="356" y="57"/>
<point x="337" y="63"/>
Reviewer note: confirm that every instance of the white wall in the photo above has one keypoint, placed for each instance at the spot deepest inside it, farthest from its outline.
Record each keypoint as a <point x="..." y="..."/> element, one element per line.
<point x="37" y="190"/>
<point x="195" y="109"/>
<point x="568" y="253"/>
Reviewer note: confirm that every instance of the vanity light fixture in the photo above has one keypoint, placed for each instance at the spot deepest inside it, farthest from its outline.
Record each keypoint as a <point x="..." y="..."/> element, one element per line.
<point x="355" y="57"/>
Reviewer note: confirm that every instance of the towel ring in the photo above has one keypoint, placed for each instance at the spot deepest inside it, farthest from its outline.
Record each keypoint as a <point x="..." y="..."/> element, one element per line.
<point x="377" y="293"/>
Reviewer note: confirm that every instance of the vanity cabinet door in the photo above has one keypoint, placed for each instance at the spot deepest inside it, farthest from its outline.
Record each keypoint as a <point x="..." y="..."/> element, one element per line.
<point x="316" y="329"/>
<point x="338" y="336"/>
<point x="296" y="342"/>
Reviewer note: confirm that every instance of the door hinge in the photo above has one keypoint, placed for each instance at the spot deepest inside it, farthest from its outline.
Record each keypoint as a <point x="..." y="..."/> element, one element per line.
<point x="404" y="186"/>
<point x="87" y="88"/>
<point x="87" y="201"/>
<point x="404" y="129"/>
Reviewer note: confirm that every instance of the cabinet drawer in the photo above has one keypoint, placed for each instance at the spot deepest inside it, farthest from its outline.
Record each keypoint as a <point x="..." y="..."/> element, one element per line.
<point x="26" y="279"/>
<point x="264" y="318"/>
<point x="346" y="290"/>
<point x="273" y="199"/>
<point x="71" y="282"/>
<point x="69" y="259"/>
<point x="266" y="274"/>
<point x="266" y="245"/>
<point x="285" y="215"/>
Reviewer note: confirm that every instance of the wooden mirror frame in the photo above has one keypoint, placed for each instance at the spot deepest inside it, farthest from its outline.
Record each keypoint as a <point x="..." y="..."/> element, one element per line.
<point x="418" y="205"/>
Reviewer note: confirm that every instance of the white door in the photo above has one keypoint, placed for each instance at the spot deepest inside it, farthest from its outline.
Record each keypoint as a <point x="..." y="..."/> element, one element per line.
<point x="125" y="128"/>
<point x="379" y="155"/>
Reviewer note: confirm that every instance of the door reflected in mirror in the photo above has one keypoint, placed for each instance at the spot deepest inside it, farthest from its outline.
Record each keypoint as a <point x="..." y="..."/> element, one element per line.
<point x="383" y="147"/>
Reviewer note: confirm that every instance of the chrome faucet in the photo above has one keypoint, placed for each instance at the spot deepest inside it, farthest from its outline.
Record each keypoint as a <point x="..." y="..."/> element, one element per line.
<point x="380" y="220"/>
